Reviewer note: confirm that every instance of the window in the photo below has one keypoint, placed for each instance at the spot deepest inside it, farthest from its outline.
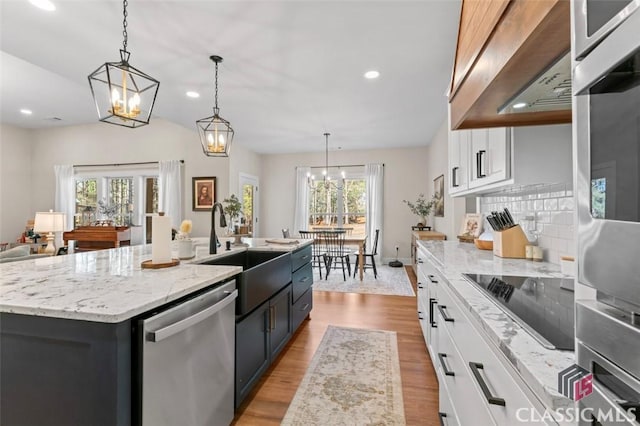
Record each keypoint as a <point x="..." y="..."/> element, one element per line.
<point x="124" y="196"/>
<point x="342" y="203"/>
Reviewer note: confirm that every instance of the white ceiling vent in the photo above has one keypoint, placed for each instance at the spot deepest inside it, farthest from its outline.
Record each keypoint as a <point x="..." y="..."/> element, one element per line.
<point x="550" y="91"/>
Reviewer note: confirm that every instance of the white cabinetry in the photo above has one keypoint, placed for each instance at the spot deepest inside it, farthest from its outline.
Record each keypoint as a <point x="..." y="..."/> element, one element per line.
<point x="486" y="160"/>
<point x="477" y="384"/>
<point x="489" y="155"/>
<point x="458" y="160"/>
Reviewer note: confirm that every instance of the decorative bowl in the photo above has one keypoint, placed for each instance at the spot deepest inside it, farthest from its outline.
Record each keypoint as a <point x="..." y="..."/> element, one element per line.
<point x="483" y="244"/>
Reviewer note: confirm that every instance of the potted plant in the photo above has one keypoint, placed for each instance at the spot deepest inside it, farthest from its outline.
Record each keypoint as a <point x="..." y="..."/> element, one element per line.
<point x="233" y="208"/>
<point x="421" y="207"/>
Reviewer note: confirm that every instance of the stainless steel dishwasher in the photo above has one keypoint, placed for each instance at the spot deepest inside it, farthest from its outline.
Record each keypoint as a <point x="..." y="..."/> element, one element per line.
<point x="187" y="361"/>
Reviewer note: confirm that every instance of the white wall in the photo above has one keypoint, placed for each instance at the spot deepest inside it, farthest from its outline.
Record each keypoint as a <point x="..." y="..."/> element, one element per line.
<point x="15" y="182"/>
<point x="102" y="143"/>
<point x="405" y="176"/>
<point x="454" y="208"/>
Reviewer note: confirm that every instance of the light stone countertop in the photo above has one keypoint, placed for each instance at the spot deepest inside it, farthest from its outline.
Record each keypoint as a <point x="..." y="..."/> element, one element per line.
<point x="110" y="285"/>
<point x="537" y="365"/>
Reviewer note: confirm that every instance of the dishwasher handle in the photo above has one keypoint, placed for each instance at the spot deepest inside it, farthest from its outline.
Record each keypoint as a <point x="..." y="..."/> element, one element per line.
<point x="177" y="327"/>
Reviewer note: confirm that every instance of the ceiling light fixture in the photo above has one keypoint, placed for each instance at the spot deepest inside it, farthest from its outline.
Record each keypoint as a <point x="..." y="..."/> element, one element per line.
<point x="520" y="105"/>
<point x="371" y="74"/>
<point x="216" y="134"/>
<point x="326" y="176"/>
<point x="44" y="5"/>
<point x="26" y="111"/>
<point x="193" y="95"/>
<point x="123" y="94"/>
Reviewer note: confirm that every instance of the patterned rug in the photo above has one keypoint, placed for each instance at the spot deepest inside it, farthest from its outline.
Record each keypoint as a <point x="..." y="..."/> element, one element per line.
<point x="353" y="379"/>
<point x="390" y="281"/>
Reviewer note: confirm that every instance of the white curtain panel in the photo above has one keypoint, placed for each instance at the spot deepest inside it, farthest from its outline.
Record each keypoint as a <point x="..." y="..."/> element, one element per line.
<point x="65" y="195"/>
<point x="374" y="175"/>
<point x="170" y="191"/>
<point x="301" y="215"/>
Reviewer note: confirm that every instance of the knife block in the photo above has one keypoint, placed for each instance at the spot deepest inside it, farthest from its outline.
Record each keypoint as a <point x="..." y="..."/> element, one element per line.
<point x="510" y="243"/>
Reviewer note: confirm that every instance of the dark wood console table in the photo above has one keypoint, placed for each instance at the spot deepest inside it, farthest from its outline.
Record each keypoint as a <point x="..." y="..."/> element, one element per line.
<point x="98" y="237"/>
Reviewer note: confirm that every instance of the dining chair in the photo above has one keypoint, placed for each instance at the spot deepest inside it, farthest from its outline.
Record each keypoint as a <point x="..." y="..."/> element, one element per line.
<point x="334" y="243"/>
<point x="371" y="256"/>
<point x="318" y="251"/>
<point x="286" y="233"/>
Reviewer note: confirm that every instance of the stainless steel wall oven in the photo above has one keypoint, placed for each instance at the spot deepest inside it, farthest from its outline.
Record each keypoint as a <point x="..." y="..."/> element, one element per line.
<point x="606" y="83"/>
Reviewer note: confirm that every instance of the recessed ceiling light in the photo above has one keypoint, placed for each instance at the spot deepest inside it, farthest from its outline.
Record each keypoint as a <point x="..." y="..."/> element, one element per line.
<point x="192" y="94"/>
<point x="371" y="74"/>
<point x="43" y="4"/>
<point x="26" y="111"/>
<point x="520" y="105"/>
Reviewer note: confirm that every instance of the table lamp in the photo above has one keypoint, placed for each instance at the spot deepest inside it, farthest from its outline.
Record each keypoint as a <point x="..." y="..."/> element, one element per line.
<point x="49" y="222"/>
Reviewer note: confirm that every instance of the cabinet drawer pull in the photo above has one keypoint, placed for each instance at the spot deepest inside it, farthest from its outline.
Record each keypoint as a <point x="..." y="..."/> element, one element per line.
<point x="305" y="307"/>
<point x="304" y="280"/>
<point x="475" y="367"/>
<point x="305" y="257"/>
<point x="447" y="372"/>
<point x="454" y="177"/>
<point x="420" y="260"/>
<point x="442" y="416"/>
<point x="432" y="302"/>
<point x="445" y="317"/>
<point x="420" y="285"/>
<point x="432" y="279"/>
<point x="420" y="317"/>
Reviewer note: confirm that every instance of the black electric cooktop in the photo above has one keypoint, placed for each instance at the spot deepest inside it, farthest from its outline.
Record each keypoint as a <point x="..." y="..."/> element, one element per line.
<point x="543" y="306"/>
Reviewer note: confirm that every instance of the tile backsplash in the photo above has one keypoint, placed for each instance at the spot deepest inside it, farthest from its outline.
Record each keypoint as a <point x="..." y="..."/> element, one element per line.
<point x="543" y="211"/>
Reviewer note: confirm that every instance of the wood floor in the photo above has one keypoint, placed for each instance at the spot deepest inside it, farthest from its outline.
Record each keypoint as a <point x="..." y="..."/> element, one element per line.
<point x="270" y="398"/>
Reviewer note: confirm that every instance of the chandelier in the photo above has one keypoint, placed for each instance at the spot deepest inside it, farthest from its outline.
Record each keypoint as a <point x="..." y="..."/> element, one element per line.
<point x="326" y="176"/>
<point x="215" y="132"/>
<point x="123" y="94"/>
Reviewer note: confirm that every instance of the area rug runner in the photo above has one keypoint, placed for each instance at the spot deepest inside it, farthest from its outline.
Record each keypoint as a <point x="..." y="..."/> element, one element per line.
<point x="353" y="379"/>
<point x="390" y="281"/>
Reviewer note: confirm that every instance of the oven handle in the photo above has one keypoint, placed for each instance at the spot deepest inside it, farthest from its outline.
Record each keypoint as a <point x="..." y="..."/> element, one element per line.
<point x="475" y="369"/>
<point x="177" y="327"/>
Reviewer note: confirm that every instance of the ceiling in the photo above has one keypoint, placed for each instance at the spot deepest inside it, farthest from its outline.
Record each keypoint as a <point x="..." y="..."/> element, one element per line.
<point x="292" y="69"/>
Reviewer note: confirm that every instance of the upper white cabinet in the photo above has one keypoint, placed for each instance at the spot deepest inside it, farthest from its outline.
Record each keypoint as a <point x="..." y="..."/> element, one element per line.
<point x="458" y="160"/>
<point x="489" y="154"/>
<point x="486" y="160"/>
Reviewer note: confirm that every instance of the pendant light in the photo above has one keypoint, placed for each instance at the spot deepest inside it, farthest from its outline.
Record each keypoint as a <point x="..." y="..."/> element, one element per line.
<point x="216" y="134"/>
<point x="123" y="94"/>
<point x="326" y="176"/>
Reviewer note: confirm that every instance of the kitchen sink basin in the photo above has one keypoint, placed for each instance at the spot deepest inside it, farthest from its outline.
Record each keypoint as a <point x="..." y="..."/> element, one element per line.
<point x="263" y="274"/>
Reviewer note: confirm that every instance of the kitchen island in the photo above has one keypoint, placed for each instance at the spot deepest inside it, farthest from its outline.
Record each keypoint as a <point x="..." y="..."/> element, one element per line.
<point x="524" y="374"/>
<point x="69" y="350"/>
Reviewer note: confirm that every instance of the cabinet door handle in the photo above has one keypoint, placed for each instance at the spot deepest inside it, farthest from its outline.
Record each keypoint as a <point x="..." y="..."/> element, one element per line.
<point x="272" y="318"/>
<point x="475" y="367"/>
<point x="447" y="372"/>
<point x="432" y="302"/>
<point x="420" y="260"/>
<point x="445" y="317"/>
<point x="304" y="280"/>
<point x="454" y="177"/>
<point x="305" y="257"/>
<point x="420" y="317"/>
<point x="304" y="308"/>
<point x="442" y="416"/>
<point x="479" y="167"/>
<point x="420" y="285"/>
<point x="432" y="279"/>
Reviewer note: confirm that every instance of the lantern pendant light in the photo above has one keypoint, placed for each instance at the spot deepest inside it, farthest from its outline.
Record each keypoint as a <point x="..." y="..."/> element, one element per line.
<point x="216" y="134"/>
<point x="123" y="94"/>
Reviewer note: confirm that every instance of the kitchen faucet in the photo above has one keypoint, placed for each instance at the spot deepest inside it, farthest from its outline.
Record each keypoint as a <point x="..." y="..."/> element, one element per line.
<point x="213" y="240"/>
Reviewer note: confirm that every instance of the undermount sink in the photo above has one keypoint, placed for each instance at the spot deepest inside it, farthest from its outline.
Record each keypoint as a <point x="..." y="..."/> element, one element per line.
<point x="263" y="274"/>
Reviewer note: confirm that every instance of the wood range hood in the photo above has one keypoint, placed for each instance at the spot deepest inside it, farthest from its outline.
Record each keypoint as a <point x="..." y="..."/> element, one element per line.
<point x="503" y="47"/>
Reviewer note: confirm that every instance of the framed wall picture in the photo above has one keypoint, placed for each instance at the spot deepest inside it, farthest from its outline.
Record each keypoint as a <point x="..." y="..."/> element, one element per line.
<point x="203" y="193"/>
<point x="471" y="225"/>
<point x="438" y="196"/>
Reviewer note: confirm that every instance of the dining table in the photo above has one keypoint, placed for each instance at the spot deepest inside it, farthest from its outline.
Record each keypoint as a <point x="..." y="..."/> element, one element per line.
<point x="358" y="240"/>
